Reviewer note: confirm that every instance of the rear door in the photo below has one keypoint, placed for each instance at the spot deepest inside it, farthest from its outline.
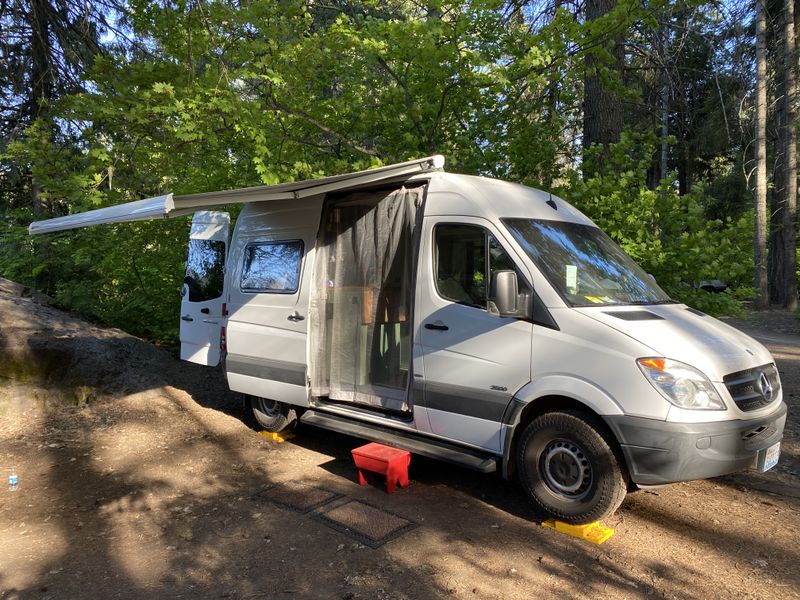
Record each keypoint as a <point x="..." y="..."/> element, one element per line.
<point x="202" y="294"/>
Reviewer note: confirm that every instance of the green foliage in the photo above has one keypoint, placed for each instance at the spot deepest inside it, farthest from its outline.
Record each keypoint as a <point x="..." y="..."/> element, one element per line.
<point x="216" y="95"/>
<point x="126" y="275"/>
<point x="669" y="235"/>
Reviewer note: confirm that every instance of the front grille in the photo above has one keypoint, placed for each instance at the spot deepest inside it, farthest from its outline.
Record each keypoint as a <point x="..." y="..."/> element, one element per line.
<point x="750" y="390"/>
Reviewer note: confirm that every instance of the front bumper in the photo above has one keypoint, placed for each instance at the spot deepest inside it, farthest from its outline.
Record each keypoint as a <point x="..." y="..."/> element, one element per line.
<point x="659" y="452"/>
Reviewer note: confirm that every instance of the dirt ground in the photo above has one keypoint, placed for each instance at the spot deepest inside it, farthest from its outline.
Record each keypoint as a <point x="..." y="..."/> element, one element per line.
<point x="140" y="477"/>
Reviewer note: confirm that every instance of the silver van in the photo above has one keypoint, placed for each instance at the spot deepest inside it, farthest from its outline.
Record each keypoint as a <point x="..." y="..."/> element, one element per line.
<point x="468" y="319"/>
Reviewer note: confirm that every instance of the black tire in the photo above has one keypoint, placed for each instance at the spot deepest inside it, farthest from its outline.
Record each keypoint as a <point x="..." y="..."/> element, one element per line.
<point x="271" y="415"/>
<point x="568" y="468"/>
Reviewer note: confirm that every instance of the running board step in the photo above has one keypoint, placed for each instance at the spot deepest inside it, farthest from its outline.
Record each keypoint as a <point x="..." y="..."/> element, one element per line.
<point x="476" y="460"/>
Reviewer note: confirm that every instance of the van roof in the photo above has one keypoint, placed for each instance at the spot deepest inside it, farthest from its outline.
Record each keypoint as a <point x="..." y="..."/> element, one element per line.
<point x="468" y="195"/>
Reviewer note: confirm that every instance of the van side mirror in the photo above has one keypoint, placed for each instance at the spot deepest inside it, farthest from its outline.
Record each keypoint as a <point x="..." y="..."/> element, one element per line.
<point x="504" y="298"/>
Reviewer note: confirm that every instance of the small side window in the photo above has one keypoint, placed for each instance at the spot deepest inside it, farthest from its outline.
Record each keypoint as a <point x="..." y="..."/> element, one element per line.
<point x="205" y="269"/>
<point x="272" y="267"/>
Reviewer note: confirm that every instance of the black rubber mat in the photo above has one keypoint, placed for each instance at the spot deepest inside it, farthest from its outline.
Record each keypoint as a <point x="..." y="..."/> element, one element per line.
<point x="370" y="525"/>
<point x="299" y="497"/>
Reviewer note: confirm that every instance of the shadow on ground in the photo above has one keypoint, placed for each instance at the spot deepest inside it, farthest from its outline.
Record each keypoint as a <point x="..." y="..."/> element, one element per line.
<point x="151" y="490"/>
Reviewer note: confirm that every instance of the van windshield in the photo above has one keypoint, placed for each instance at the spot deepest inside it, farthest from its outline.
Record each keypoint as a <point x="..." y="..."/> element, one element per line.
<point x="584" y="265"/>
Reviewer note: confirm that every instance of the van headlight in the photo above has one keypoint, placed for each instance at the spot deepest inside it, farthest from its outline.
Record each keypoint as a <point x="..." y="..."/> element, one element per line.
<point x="681" y="384"/>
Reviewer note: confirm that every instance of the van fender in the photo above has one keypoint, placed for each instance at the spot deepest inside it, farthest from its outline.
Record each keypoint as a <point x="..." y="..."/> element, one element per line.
<point x="570" y="386"/>
<point x="566" y="386"/>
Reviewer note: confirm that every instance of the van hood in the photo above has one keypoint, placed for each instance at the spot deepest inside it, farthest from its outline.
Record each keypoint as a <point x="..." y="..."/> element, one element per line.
<point x="681" y="333"/>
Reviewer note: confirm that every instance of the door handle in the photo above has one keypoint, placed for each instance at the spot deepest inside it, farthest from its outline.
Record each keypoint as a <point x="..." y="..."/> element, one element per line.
<point x="186" y="318"/>
<point x="295" y="317"/>
<point x="438" y="326"/>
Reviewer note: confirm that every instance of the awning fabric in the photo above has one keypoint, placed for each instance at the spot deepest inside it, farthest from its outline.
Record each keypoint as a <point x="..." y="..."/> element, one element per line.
<point x="174" y="206"/>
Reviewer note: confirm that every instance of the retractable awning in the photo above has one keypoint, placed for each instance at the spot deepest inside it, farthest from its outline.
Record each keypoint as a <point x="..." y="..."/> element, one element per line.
<point x="168" y="205"/>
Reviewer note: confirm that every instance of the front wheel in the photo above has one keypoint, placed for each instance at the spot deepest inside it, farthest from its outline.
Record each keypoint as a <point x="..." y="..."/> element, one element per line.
<point x="271" y="415"/>
<point x="568" y="467"/>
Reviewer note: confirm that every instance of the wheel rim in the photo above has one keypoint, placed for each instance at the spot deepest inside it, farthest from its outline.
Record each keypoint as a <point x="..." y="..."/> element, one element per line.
<point x="268" y="407"/>
<point x="566" y="469"/>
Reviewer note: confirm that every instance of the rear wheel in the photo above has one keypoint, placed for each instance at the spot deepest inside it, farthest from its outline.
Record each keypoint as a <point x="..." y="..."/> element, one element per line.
<point x="568" y="468"/>
<point x="272" y="415"/>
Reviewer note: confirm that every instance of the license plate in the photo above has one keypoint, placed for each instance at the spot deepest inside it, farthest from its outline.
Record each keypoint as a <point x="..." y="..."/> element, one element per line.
<point x="768" y="457"/>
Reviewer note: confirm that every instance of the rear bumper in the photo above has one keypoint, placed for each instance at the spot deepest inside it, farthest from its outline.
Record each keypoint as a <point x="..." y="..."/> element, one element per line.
<point x="659" y="452"/>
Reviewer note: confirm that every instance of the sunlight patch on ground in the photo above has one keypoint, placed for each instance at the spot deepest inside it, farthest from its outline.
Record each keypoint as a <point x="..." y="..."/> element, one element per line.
<point x="25" y="560"/>
<point x="130" y="530"/>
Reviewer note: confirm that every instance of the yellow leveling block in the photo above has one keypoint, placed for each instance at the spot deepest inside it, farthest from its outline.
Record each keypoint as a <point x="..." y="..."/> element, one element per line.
<point x="277" y="437"/>
<point x="596" y="532"/>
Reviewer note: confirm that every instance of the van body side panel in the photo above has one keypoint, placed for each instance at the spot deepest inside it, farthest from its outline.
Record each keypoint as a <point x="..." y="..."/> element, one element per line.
<point x="267" y="329"/>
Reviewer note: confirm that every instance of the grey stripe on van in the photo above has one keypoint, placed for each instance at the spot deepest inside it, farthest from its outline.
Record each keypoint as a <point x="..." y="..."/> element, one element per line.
<point x="273" y="370"/>
<point x="481" y="404"/>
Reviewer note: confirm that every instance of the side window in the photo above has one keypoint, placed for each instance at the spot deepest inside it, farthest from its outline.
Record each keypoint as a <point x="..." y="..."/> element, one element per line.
<point x="461" y="256"/>
<point x="272" y="267"/>
<point x="205" y="269"/>
<point x="461" y="263"/>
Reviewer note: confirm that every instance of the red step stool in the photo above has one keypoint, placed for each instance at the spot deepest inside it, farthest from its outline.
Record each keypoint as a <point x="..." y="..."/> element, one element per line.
<point x="389" y="461"/>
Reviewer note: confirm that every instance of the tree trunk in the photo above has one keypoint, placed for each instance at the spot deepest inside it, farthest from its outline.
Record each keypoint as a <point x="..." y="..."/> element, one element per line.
<point x="41" y="76"/>
<point x="776" y="258"/>
<point x="602" y="109"/>
<point x="664" y="162"/>
<point x="760" y="237"/>
<point x="789" y="142"/>
<point x="776" y="194"/>
<point x="664" y="97"/>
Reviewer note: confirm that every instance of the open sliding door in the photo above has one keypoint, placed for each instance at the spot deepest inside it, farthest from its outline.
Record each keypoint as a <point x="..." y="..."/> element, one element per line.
<point x="361" y="304"/>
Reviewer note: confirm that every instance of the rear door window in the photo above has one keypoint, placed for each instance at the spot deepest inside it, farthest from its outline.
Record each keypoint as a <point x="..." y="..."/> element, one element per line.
<point x="205" y="269"/>
<point x="272" y="267"/>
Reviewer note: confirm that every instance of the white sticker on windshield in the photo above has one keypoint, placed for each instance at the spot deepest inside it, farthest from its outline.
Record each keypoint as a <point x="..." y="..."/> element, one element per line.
<point x="572" y="278"/>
